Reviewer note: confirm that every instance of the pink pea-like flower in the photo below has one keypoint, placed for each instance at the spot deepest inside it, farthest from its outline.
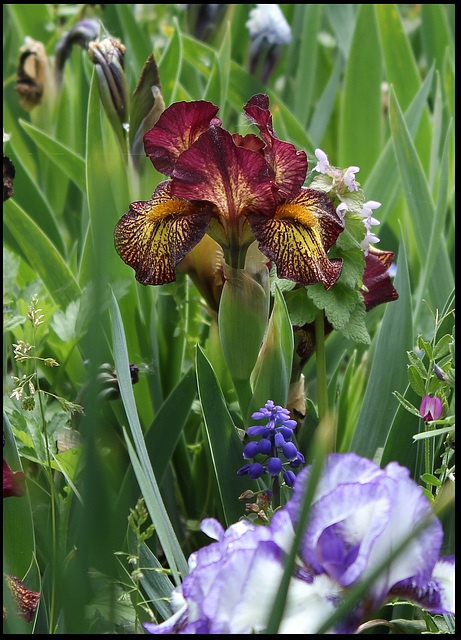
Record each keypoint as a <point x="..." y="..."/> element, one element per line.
<point x="431" y="408"/>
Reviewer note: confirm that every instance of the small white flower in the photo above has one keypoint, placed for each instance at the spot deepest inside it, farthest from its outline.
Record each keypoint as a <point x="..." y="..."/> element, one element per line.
<point x="267" y="21"/>
<point x="341" y="209"/>
<point x="322" y="163"/>
<point x="349" y="178"/>
<point x="369" y="222"/>
<point x="368" y="208"/>
<point x="17" y="393"/>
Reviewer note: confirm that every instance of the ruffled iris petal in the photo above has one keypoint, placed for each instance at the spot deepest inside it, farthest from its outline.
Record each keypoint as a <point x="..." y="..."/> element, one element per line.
<point x="298" y="237"/>
<point x="232" y="177"/>
<point x="438" y="594"/>
<point x="177" y="128"/>
<point x="155" y="235"/>
<point x="379" y="287"/>
<point x="288" y="164"/>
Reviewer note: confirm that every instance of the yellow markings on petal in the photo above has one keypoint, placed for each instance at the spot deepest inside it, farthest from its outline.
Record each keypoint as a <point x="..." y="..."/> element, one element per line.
<point x="298" y="237"/>
<point x="297" y="212"/>
<point x="155" y="235"/>
<point x="298" y="252"/>
<point x="162" y="208"/>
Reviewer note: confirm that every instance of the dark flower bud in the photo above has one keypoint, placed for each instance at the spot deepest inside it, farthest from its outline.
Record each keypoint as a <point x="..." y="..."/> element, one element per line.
<point x="274" y="466"/>
<point x="147" y="105"/>
<point x="107" y="56"/>
<point x="290" y="451"/>
<point x="250" y="450"/>
<point x="439" y="372"/>
<point x="33" y="75"/>
<point x="255" y="471"/>
<point x="204" y="19"/>
<point x="82" y="34"/>
<point x="289" y="478"/>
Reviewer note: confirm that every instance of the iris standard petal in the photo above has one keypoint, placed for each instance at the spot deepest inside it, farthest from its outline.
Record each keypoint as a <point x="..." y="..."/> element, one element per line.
<point x="177" y="128"/>
<point x="298" y="237"/>
<point x="155" y="235"/>
<point x="288" y="164"/>
<point x="234" y="178"/>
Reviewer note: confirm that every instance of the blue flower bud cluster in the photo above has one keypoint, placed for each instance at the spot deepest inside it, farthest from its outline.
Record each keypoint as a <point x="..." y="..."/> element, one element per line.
<point x="276" y="437"/>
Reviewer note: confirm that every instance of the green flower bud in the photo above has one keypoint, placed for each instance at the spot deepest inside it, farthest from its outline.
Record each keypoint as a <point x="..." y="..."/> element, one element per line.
<point x="107" y="56"/>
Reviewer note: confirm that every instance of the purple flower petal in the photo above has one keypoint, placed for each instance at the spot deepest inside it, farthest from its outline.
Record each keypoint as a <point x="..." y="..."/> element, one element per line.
<point x="375" y="509"/>
<point x="437" y="595"/>
<point x="274" y="466"/>
<point x="251" y="450"/>
<point x="264" y="446"/>
<point x="255" y="471"/>
<point x="431" y="408"/>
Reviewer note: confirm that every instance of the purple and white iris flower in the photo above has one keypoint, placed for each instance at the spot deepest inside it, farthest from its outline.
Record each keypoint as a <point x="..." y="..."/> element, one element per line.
<point x="359" y="516"/>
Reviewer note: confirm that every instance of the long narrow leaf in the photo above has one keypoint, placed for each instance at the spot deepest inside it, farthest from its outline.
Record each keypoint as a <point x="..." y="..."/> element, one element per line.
<point x="361" y="111"/>
<point x="420" y="205"/>
<point x="384" y="177"/>
<point x="225" y="446"/>
<point x="41" y="255"/>
<point x="388" y="371"/>
<point x="156" y="585"/>
<point x="72" y="164"/>
<point x="140" y="458"/>
<point x="18" y="529"/>
<point x="163" y="434"/>
<point x="401" y="69"/>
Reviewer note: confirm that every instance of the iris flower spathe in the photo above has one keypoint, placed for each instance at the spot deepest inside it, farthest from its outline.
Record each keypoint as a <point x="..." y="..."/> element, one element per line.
<point x="235" y="188"/>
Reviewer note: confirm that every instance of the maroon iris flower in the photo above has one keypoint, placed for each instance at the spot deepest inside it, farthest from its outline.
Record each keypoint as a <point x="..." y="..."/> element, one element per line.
<point x="14" y="482"/>
<point x="238" y="189"/>
<point x="378" y="287"/>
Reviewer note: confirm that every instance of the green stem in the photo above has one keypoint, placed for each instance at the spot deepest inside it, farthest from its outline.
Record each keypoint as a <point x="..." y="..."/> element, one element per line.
<point x="235" y="253"/>
<point x="276" y="499"/>
<point x="321" y="366"/>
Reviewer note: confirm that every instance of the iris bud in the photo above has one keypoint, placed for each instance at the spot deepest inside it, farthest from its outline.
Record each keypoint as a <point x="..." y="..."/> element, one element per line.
<point x="107" y="56"/>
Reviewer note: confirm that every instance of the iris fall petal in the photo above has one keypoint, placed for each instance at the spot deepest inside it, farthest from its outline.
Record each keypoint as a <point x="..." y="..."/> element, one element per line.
<point x="155" y="235"/>
<point x="298" y="237"/>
